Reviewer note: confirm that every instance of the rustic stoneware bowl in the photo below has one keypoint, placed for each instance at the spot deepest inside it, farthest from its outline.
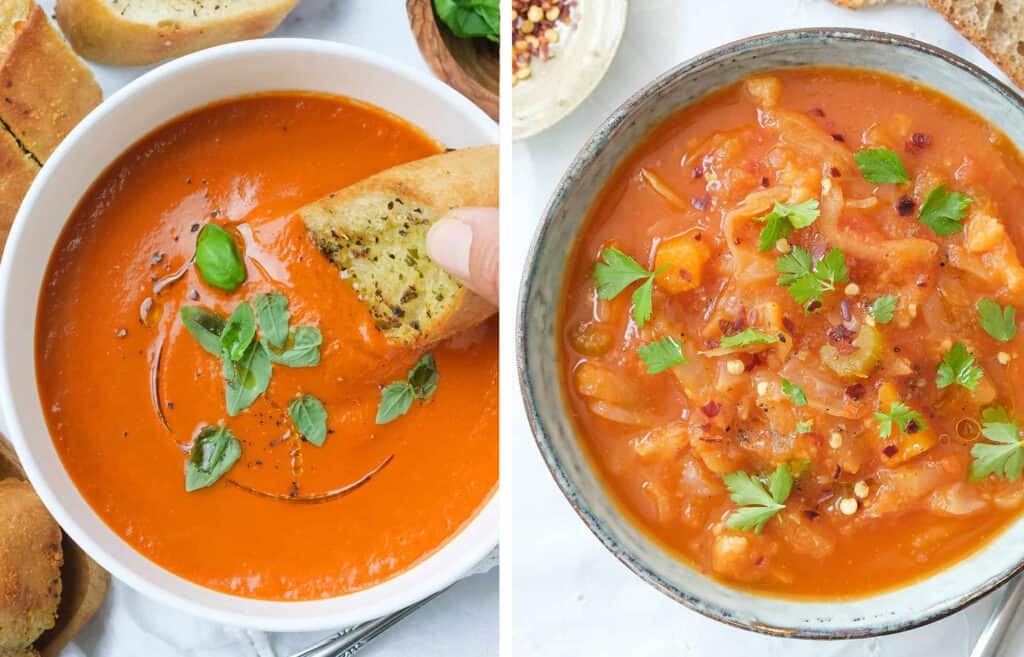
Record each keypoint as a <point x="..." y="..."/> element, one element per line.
<point x="893" y="611"/>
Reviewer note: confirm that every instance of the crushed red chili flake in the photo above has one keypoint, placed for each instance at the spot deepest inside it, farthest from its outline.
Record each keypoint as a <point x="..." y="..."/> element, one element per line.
<point x="755" y="359"/>
<point x="838" y="471"/>
<point x="534" y="29"/>
<point x="698" y="171"/>
<point x="787" y="323"/>
<point x="913" y="427"/>
<point x="905" y="206"/>
<point x="765" y="182"/>
<point x="841" y="334"/>
<point x="814" y="305"/>
<point x="710" y="409"/>
<point x="922" y="281"/>
<point x="844" y="309"/>
<point x="811" y="514"/>
<point x="732" y="327"/>
<point x="890" y="450"/>
<point x="700" y="202"/>
<point x="856" y="392"/>
<point x="834" y="172"/>
<point x="840" y="137"/>
<point x="921" y="139"/>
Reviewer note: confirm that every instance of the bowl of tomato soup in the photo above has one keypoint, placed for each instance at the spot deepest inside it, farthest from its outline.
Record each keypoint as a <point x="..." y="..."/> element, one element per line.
<point x="778" y="371"/>
<point x="249" y="482"/>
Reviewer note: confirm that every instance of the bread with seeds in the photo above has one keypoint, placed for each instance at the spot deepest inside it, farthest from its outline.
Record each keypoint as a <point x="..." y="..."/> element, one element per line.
<point x="375" y="232"/>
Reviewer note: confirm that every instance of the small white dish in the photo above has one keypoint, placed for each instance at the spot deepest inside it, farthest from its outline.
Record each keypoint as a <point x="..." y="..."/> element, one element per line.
<point x="559" y="85"/>
<point x="130" y="114"/>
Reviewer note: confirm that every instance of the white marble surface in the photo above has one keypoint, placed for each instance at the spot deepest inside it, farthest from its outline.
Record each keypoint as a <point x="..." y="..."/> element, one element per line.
<point x="562" y="592"/>
<point x="464" y="620"/>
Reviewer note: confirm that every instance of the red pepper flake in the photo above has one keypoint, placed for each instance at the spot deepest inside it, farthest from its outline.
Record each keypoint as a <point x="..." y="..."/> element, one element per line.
<point x="834" y="172"/>
<point x="838" y="471"/>
<point x="890" y="450"/>
<point x="839" y="137"/>
<point x="913" y="427"/>
<point x="756" y="359"/>
<point x="765" y="182"/>
<point x="841" y="334"/>
<point x="844" y="309"/>
<point x="698" y="171"/>
<point x="816" y="111"/>
<point x="921" y="139"/>
<point x="814" y="305"/>
<point x="700" y="202"/>
<point x="787" y="323"/>
<point x="922" y="281"/>
<point x="710" y="409"/>
<point x="905" y="206"/>
<point x="732" y="327"/>
<point x="856" y="392"/>
<point x="811" y="514"/>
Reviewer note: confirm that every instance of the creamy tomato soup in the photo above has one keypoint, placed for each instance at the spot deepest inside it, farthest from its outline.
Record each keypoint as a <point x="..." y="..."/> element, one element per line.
<point x="138" y="406"/>
<point x="790" y="333"/>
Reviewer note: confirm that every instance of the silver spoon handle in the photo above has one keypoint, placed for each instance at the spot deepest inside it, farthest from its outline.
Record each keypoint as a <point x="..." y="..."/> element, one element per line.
<point x="354" y="639"/>
<point x="992" y="637"/>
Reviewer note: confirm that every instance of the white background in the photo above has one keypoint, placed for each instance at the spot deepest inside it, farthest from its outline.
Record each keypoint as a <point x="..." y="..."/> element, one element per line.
<point x="562" y="592"/>
<point x="463" y="621"/>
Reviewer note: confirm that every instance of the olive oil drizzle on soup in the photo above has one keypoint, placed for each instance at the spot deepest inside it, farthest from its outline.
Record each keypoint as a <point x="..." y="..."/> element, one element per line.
<point x="790" y="333"/>
<point x="257" y="494"/>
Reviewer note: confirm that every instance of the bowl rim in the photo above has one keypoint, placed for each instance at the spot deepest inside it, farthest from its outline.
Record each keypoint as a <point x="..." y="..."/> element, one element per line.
<point x="526" y="381"/>
<point x="477" y="537"/>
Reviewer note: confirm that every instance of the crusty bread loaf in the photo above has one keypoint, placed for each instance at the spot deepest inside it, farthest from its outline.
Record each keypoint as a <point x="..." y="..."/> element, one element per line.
<point x="140" y="32"/>
<point x="17" y="170"/>
<point x="861" y="4"/>
<point x="996" y="27"/>
<point x="45" y="88"/>
<point x="375" y="231"/>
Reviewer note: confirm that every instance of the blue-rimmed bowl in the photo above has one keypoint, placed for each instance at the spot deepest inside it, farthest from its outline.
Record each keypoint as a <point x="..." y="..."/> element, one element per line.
<point x="910" y="606"/>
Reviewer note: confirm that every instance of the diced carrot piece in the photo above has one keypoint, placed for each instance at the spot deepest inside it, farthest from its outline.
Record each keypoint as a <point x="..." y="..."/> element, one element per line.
<point x="683" y="260"/>
<point x="908" y="445"/>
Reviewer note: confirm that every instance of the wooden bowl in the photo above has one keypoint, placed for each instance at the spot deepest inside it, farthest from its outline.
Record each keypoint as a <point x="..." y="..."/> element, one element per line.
<point x="84" y="582"/>
<point x="470" y="66"/>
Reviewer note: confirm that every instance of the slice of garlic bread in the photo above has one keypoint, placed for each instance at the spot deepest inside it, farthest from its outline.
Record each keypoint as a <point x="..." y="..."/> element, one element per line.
<point x="375" y="232"/>
<point x="141" y="32"/>
<point x="45" y="90"/>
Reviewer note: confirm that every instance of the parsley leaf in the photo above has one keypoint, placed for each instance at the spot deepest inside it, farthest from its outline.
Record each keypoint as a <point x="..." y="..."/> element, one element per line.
<point x="958" y="366"/>
<point x="757" y="505"/>
<point x="795" y="393"/>
<point x="881" y="165"/>
<point x="883" y="308"/>
<point x="1006" y="457"/>
<point x="804" y="426"/>
<point x="784" y="219"/>
<point x="900" y="415"/>
<point x="747" y="337"/>
<point x="1000" y="323"/>
<point x="942" y="211"/>
<point x="661" y="355"/>
<point x="617" y="272"/>
<point x="808" y="279"/>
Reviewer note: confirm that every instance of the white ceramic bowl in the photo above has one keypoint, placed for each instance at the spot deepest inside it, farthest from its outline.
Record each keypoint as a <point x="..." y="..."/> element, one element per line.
<point x="124" y="118"/>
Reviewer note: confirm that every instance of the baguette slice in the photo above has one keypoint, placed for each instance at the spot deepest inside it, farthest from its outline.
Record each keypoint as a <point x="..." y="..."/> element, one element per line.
<point x="45" y="90"/>
<point x="141" y="32"/>
<point x="995" y="27"/>
<point x="375" y="232"/>
<point x="17" y="170"/>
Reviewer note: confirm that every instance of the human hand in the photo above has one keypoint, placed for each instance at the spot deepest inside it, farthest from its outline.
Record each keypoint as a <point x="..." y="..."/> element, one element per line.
<point x="465" y="244"/>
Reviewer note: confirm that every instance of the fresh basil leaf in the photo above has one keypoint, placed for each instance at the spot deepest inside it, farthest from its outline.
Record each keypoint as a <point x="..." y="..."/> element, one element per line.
<point x="248" y="378"/>
<point x="469" y="19"/>
<point x="303" y="348"/>
<point x="395" y="400"/>
<point x="218" y="259"/>
<point x="881" y="165"/>
<point x="239" y="331"/>
<point x="310" y="418"/>
<point x="214" y="451"/>
<point x="423" y="377"/>
<point x="272" y="311"/>
<point x="204" y="325"/>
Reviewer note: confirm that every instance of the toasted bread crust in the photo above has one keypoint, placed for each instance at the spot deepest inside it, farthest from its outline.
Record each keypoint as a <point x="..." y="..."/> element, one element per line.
<point x="995" y="27"/>
<point x="45" y="88"/>
<point x="31" y="557"/>
<point x="19" y="169"/>
<point x="416" y="193"/>
<point x="100" y="35"/>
